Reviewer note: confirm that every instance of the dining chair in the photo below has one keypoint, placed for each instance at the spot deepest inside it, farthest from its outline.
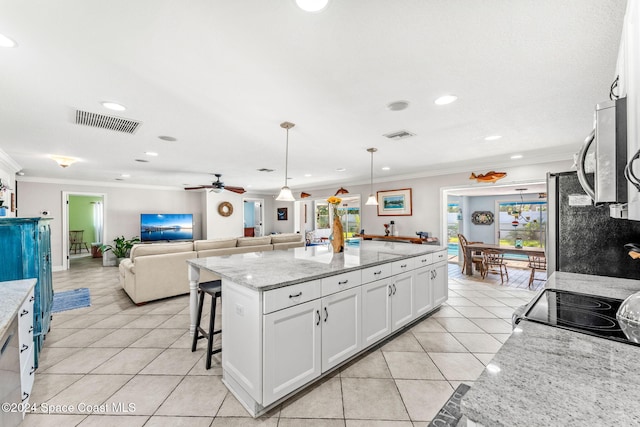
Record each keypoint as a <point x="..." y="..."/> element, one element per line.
<point x="493" y="262"/>
<point x="76" y="241"/>
<point x="476" y="256"/>
<point x="536" y="263"/>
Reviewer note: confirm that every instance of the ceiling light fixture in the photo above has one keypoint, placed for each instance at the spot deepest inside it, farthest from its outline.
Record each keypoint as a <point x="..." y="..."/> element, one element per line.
<point x="372" y="200"/>
<point x="493" y="137"/>
<point x="151" y="153"/>
<point x="113" y="106"/>
<point x="398" y="105"/>
<point x="285" y="192"/>
<point x="516" y="156"/>
<point x="312" y="5"/>
<point x="341" y="169"/>
<point x="445" y="99"/>
<point x="167" y="138"/>
<point x="7" y="42"/>
<point x="64" y="161"/>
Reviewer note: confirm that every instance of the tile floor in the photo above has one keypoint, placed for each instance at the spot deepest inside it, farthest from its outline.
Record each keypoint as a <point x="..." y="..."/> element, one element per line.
<point x="116" y="353"/>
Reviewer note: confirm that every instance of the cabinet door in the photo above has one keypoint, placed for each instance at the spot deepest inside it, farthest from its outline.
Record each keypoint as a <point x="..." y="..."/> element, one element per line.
<point x="292" y="340"/>
<point x="341" y="327"/>
<point x="423" y="298"/>
<point x="376" y="311"/>
<point x="402" y="300"/>
<point x="439" y="283"/>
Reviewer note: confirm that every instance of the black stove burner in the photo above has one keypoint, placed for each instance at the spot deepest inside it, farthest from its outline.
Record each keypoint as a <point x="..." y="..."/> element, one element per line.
<point x="588" y="314"/>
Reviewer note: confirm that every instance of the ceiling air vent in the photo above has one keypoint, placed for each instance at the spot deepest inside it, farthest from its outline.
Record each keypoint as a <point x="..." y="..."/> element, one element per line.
<point x="103" y="121"/>
<point x="401" y="134"/>
<point x="265" y="170"/>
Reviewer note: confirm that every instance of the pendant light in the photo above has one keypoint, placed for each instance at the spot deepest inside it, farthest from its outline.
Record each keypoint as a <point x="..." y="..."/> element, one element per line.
<point x="285" y="192"/>
<point x="372" y="199"/>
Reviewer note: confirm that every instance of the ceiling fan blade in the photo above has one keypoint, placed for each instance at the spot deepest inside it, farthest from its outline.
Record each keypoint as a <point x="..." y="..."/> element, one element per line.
<point x="200" y="187"/>
<point x="238" y="190"/>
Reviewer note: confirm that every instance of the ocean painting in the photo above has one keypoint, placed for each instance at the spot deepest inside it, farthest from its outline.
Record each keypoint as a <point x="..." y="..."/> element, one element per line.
<point x="393" y="203"/>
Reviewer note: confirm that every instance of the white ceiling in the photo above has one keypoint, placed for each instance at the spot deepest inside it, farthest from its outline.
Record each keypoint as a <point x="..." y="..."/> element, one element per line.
<point x="221" y="75"/>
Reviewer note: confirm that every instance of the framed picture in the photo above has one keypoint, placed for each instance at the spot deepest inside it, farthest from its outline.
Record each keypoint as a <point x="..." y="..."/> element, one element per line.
<point x="394" y="202"/>
<point x="282" y="214"/>
<point x="482" y="218"/>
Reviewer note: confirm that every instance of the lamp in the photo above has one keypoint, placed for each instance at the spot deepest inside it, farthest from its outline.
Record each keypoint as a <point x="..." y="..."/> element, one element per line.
<point x="63" y="161"/>
<point x="285" y="192"/>
<point x="372" y="199"/>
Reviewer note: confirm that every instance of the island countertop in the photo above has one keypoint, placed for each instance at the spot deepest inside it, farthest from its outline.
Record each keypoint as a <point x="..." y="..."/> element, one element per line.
<point x="13" y="294"/>
<point x="545" y="375"/>
<point x="273" y="269"/>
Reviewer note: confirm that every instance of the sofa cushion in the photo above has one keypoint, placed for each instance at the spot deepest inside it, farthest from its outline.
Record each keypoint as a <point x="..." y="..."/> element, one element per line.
<point x="224" y="242"/>
<point x="286" y="238"/>
<point x="160" y="248"/>
<point x="253" y="241"/>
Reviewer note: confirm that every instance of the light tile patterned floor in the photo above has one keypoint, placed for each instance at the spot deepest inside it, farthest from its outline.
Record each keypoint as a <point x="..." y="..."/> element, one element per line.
<point x="115" y="352"/>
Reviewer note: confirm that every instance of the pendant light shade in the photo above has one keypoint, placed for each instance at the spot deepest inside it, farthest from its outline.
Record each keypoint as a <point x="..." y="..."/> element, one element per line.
<point x="285" y="192"/>
<point x="373" y="200"/>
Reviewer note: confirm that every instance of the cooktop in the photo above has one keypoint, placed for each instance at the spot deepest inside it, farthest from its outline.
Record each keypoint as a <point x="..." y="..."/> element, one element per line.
<point x="588" y="314"/>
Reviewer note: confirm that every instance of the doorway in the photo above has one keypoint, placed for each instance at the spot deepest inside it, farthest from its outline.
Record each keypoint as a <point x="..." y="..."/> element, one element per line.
<point x="253" y="214"/>
<point x="83" y="225"/>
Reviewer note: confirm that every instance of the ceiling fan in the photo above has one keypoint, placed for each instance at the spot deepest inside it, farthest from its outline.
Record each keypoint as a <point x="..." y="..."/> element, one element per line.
<point x="218" y="186"/>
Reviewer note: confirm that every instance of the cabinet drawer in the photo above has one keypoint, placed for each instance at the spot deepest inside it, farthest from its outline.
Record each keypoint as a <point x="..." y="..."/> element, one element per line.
<point x="340" y="282"/>
<point x="401" y="266"/>
<point x="378" y="272"/>
<point x="439" y="256"/>
<point x="26" y="377"/>
<point x="422" y="260"/>
<point x="288" y="296"/>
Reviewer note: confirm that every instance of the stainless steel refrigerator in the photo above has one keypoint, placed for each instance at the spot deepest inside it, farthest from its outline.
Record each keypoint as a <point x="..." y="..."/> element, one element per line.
<point x="583" y="238"/>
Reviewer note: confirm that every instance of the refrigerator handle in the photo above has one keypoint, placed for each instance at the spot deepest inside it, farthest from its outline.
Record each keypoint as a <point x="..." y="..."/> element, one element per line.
<point x="628" y="171"/>
<point x="582" y="155"/>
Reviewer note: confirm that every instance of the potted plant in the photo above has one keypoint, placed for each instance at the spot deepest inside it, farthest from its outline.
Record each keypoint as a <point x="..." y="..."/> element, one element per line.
<point x="121" y="247"/>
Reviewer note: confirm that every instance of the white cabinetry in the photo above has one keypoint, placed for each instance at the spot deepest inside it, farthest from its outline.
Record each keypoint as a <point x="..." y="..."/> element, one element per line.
<point x="25" y="334"/>
<point x="341" y="327"/>
<point x="402" y="300"/>
<point x="376" y="311"/>
<point x="423" y="298"/>
<point x="439" y="283"/>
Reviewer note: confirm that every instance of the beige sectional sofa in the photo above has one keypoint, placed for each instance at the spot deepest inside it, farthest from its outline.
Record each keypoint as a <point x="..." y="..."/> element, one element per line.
<point x="159" y="270"/>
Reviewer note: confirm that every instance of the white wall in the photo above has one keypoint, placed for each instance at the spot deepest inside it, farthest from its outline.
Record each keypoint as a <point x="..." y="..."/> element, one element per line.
<point x="123" y="207"/>
<point x="8" y="169"/>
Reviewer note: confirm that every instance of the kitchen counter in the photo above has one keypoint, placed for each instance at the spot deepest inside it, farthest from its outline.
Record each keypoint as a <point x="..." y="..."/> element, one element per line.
<point x="545" y="375"/>
<point x="13" y="294"/>
<point x="274" y="269"/>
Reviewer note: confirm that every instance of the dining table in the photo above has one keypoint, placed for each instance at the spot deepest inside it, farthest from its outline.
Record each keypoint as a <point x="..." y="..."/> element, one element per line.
<point x="479" y="247"/>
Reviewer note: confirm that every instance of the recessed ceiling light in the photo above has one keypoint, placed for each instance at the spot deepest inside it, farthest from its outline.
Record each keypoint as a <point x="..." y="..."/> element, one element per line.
<point x="151" y="153"/>
<point x="307" y="175"/>
<point x="493" y="137"/>
<point x="113" y="106"/>
<point x="142" y="160"/>
<point x="312" y="5"/>
<point x="7" y="42"/>
<point x="125" y="175"/>
<point x="341" y="169"/>
<point x="167" y="138"/>
<point x="398" y="105"/>
<point x="516" y="156"/>
<point x="445" y="99"/>
<point x="386" y="168"/>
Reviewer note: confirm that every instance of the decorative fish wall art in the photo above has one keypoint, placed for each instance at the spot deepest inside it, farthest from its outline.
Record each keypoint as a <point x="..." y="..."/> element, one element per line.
<point x="491" y="176"/>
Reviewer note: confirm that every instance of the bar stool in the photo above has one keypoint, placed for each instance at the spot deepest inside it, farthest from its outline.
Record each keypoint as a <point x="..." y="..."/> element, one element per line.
<point x="213" y="288"/>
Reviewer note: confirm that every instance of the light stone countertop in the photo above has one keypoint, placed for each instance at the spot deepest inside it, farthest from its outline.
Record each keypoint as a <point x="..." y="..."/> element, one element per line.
<point x="552" y="376"/>
<point x="13" y="294"/>
<point x="273" y="269"/>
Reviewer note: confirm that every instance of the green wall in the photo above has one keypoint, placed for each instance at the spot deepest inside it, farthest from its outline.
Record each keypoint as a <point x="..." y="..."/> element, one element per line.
<point x="81" y="216"/>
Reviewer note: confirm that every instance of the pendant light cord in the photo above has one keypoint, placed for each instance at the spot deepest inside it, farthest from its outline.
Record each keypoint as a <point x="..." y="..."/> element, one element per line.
<point x="371" y="171"/>
<point x="286" y="160"/>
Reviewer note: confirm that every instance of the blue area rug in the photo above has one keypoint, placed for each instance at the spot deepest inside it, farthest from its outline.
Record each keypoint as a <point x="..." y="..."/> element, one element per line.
<point x="69" y="300"/>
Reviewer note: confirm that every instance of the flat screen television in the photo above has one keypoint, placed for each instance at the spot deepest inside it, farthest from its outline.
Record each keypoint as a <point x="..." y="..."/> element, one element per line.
<point x="155" y="227"/>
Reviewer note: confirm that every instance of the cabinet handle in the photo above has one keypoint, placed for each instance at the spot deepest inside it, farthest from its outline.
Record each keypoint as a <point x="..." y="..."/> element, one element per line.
<point x="390" y="290"/>
<point x="326" y="314"/>
<point x="375" y="273"/>
<point x="343" y="283"/>
<point x="423" y="260"/>
<point x="25" y="396"/>
<point x="403" y="266"/>
<point x="24" y="312"/>
<point x="24" y="348"/>
<point x="32" y="370"/>
<point x="33" y="298"/>
<point x="394" y="288"/>
<point x="296" y="295"/>
<point x="435" y="274"/>
<point x="30" y="329"/>
<point x="318" y="314"/>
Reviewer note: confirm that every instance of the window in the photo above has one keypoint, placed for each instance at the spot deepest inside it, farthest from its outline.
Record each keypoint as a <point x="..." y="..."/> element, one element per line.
<point x="454" y="215"/>
<point x="322" y="214"/>
<point x="522" y="220"/>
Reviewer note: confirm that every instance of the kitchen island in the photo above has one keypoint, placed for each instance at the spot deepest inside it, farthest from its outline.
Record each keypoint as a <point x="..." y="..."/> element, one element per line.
<point x="544" y="375"/>
<point x="292" y="317"/>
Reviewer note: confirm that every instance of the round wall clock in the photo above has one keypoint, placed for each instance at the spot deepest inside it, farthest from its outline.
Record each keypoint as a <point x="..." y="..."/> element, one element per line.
<point x="225" y="208"/>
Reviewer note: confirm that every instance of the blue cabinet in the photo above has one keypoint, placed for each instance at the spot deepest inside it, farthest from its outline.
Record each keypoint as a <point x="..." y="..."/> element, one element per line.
<point x="25" y="253"/>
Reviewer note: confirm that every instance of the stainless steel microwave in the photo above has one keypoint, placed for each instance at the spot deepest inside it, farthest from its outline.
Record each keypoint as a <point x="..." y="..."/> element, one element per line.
<point x="609" y="137"/>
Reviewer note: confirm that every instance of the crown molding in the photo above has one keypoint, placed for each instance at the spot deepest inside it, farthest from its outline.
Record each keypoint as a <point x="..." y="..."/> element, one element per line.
<point x="8" y="163"/>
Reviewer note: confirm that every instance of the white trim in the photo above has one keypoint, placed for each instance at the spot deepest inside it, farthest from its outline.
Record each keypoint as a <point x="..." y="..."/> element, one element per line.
<point x="65" y="222"/>
<point x="7" y="162"/>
